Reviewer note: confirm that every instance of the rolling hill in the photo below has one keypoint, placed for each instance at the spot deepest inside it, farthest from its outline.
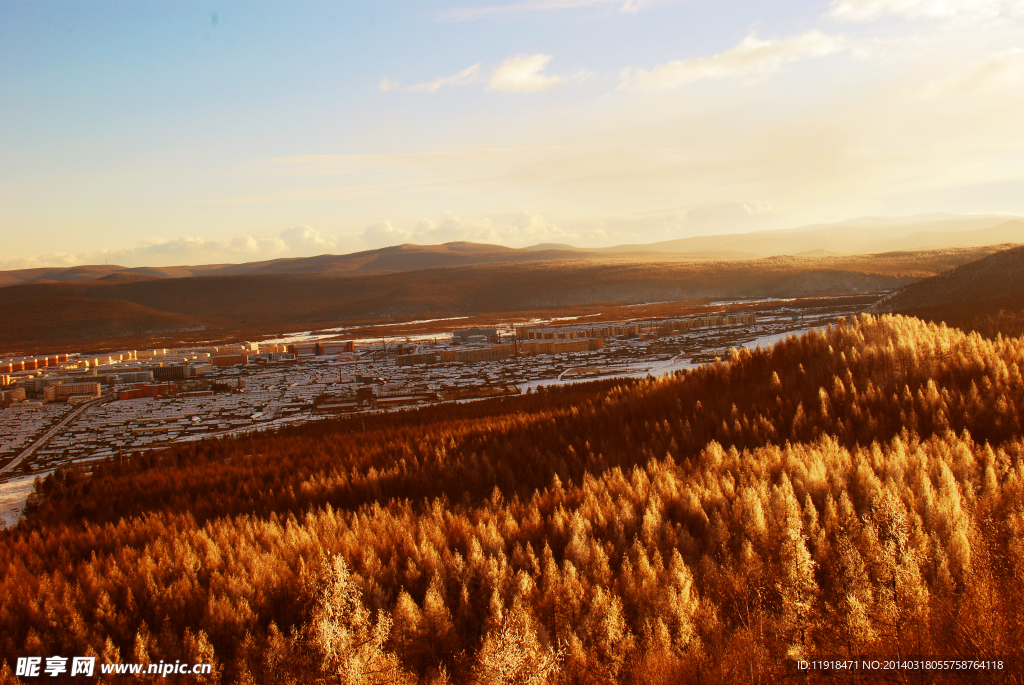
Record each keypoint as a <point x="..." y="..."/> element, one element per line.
<point x="149" y="309"/>
<point x="384" y="260"/>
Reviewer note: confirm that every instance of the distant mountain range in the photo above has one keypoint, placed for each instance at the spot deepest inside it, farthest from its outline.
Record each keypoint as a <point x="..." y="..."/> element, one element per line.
<point x="869" y="235"/>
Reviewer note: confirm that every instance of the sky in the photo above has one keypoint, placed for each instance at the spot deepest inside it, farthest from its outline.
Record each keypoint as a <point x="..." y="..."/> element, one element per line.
<point x="161" y="133"/>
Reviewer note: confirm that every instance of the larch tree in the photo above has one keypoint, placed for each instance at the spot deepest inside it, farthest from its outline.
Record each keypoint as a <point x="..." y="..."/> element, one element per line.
<point x="511" y="654"/>
<point x="342" y="633"/>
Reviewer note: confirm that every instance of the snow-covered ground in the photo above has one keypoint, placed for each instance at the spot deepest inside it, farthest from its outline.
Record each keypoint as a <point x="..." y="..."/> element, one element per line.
<point x="13" y="495"/>
<point x="766" y="341"/>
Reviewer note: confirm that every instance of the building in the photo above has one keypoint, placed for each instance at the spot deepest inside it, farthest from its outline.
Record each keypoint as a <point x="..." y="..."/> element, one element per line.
<point x="305" y="349"/>
<point x="138" y="376"/>
<point x="479" y="354"/>
<point x="413" y="359"/>
<point x="230" y="359"/>
<point x="62" y="392"/>
<point x="34" y="385"/>
<point x="148" y="390"/>
<point x="560" y="346"/>
<point x="480" y="334"/>
<point x="275" y="357"/>
<point x="127" y="376"/>
<point x="171" y="372"/>
<point x="12" y="395"/>
<point x="337" y="347"/>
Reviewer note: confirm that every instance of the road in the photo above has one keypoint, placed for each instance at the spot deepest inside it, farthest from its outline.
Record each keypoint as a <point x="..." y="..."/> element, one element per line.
<point x="55" y="430"/>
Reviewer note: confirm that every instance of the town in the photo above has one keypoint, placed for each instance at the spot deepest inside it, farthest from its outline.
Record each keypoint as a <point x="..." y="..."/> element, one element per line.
<point x="65" y="408"/>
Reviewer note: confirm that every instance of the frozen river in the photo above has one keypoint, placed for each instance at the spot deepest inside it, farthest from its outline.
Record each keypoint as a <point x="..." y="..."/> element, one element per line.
<point x="766" y="341"/>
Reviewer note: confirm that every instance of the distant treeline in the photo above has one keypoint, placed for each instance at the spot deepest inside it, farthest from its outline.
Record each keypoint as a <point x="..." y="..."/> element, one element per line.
<point x="858" y="491"/>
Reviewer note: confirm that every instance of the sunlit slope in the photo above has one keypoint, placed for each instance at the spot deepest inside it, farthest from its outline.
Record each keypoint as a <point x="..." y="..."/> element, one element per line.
<point x="853" y="491"/>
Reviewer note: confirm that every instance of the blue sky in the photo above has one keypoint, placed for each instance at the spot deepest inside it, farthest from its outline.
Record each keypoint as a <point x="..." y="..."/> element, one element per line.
<point x="171" y="133"/>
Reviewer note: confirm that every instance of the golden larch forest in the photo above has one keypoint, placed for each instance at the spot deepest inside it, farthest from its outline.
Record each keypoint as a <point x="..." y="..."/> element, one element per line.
<point x="855" y="491"/>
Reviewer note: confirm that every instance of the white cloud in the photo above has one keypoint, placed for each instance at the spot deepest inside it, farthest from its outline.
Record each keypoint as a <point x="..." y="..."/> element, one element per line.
<point x="1000" y="70"/>
<point x="866" y="10"/>
<point x="525" y="228"/>
<point x="519" y="74"/>
<point x="385" y="235"/>
<point x="522" y="74"/>
<point x="727" y="217"/>
<point x="304" y="238"/>
<point x="56" y="259"/>
<point x="465" y="76"/>
<point x="299" y="241"/>
<point x="752" y="57"/>
<point x="519" y="229"/>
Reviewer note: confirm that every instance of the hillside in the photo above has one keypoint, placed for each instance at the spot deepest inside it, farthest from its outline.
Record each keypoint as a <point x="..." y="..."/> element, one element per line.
<point x="850" y="492"/>
<point x="402" y="258"/>
<point x="74" y="274"/>
<point x="986" y="295"/>
<point x="383" y="260"/>
<point x="255" y="304"/>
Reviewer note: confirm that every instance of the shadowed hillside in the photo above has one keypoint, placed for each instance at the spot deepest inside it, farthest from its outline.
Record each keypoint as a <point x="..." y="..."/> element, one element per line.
<point x="985" y="296"/>
<point x="68" y="320"/>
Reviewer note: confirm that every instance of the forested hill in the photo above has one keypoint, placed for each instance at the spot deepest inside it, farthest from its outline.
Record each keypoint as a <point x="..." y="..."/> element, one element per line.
<point x="856" y="491"/>
<point x="985" y="296"/>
